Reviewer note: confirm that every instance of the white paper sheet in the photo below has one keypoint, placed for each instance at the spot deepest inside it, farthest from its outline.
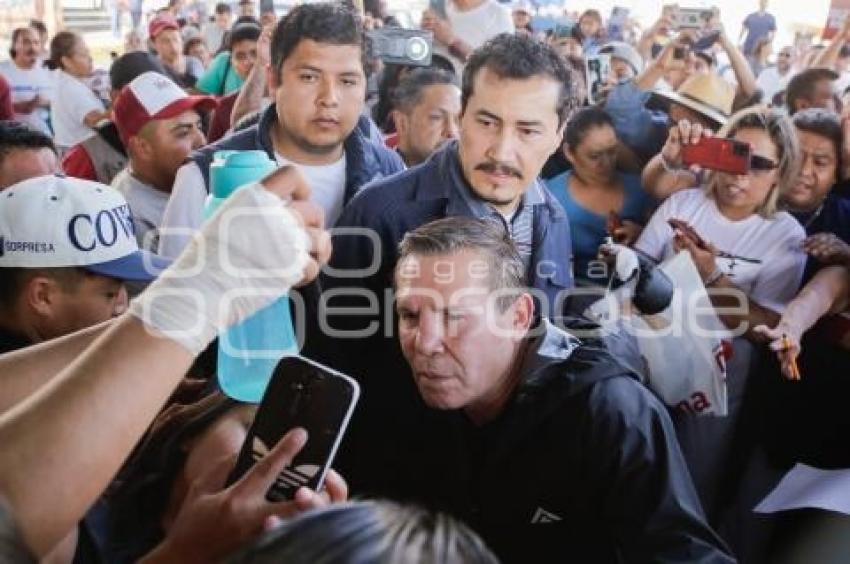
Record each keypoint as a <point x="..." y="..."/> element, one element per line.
<point x="808" y="487"/>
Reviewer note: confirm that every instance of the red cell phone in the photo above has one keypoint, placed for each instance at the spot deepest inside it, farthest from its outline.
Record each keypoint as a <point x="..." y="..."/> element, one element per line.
<point x="613" y="223"/>
<point x="717" y="153"/>
<point x="686" y="228"/>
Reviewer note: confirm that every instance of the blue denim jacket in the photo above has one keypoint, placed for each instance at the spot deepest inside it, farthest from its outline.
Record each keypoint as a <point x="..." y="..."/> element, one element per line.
<point x="641" y="129"/>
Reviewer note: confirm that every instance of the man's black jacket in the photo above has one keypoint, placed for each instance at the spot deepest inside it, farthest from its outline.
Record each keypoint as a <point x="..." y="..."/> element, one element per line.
<point x="581" y="466"/>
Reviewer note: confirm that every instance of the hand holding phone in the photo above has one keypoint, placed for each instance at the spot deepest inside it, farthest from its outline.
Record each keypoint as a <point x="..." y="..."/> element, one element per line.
<point x="689" y="232"/>
<point x="302" y="394"/>
<point x="214" y="522"/>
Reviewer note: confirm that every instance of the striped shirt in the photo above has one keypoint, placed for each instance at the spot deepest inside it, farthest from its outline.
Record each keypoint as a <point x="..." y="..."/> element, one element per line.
<point x="520" y="224"/>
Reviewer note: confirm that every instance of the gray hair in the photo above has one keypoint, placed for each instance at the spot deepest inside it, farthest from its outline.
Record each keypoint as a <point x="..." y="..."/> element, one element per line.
<point x="408" y="93"/>
<point x="369" y="531"/>
<point x="488" y="239"/>
<point x="781" y="131"/>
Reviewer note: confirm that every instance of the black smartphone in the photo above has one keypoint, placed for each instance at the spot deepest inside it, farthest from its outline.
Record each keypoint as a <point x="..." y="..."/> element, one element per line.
<point x="301" y="393"/>
<point x="706" y="41"/>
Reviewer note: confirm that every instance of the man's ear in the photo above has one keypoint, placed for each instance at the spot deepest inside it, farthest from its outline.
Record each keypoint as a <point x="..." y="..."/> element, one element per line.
<point x="41" y="295"/>
<point x="139" y="148"/>
<point x="523" y="313"/>
<point x="402" y="124"/>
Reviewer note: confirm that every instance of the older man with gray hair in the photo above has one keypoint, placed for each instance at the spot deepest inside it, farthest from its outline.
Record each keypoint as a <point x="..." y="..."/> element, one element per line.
<point x="546" y="445"/>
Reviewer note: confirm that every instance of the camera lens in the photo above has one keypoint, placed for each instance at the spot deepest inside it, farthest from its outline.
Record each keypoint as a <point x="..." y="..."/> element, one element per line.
<point x="417" y="49"/>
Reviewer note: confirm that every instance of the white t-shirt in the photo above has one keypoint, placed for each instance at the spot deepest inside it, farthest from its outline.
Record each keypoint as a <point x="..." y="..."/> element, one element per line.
<point x="327" y="185"/>
<point x="770" y="82"/>
<point x="775" y="242"/>
<point x="74" y="100"/>
<point x="26" y="84"/>
<point x="476" y="26"/>
<point x="147" y="204"/>
<point x="840" y="84"/>
<point x="185" y="210"/>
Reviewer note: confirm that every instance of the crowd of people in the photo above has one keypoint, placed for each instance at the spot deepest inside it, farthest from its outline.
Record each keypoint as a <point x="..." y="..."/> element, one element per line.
<point x="440" y="231"/>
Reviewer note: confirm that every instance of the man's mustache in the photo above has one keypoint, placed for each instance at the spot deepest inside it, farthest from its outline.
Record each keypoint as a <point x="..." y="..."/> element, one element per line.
<point x="492" y="167"/>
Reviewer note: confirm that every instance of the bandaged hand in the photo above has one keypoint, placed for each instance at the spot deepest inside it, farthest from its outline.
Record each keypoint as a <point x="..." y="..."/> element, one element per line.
<point x="266" y="238"/>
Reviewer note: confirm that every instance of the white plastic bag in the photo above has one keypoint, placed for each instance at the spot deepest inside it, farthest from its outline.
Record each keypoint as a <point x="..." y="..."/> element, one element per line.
<point x="683" y="346"/>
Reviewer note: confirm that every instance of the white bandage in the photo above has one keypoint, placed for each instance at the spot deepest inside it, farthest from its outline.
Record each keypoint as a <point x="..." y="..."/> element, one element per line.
<point x="248" y="254"/>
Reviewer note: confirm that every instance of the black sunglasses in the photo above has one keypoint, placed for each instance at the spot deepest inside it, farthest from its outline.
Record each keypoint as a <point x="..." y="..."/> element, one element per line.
<point x="762" y="163"/>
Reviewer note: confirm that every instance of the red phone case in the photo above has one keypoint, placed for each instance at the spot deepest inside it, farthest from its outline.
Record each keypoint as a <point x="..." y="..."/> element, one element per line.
<point x="717" y="153"/>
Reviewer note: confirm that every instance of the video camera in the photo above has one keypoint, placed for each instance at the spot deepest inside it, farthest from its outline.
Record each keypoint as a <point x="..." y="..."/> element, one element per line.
<point x="399" y="46"/>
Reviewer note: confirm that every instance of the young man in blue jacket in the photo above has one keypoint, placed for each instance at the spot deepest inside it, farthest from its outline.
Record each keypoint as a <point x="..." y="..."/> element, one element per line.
<point x="318" y="77"/>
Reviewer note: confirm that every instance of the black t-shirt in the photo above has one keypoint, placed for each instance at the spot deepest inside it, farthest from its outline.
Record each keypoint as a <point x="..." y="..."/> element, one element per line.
<point x="12" y="341"/>
<point x="832" y="217"/>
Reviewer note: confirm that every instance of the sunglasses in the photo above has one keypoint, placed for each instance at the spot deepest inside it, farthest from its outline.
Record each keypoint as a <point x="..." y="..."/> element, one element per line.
<point x="762" y="164"/>
<point x="784" y="55"/>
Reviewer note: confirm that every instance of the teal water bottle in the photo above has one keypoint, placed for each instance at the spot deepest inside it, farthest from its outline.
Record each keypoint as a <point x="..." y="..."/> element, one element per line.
<point x="248" y="352"/>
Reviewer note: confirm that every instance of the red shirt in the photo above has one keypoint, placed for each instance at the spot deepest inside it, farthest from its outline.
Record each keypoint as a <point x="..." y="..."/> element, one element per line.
<point x="220" y="123"/>
<point x="7" y="112"/>
<point x="78" y="164"/>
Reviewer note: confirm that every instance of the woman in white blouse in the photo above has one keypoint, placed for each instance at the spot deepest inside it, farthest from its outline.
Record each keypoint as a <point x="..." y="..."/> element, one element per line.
<point x="75" y="109"/>
<point x="748" y="244"/>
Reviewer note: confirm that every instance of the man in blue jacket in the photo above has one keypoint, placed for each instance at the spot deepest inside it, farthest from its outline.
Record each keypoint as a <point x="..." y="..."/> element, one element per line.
<point x="515" y="102"/>
<point x="543" y="443"/>
<point x="318" y="76"/>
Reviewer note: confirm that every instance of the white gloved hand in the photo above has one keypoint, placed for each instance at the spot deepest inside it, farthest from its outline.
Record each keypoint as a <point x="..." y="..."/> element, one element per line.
<point x="247" y="255"/>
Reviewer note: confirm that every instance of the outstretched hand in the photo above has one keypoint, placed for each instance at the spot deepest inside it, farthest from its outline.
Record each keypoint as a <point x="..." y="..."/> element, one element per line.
<point x="214" y="522"/>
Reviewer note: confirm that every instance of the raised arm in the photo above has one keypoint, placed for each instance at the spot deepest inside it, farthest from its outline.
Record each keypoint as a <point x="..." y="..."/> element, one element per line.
<point x="251" y="94"/>
<point x="664" y="174"/>
<point x="63" y="445"/>
<point x="829" y="57"/>
<point x="743" y="72"/>
<point x="827" y="293"/>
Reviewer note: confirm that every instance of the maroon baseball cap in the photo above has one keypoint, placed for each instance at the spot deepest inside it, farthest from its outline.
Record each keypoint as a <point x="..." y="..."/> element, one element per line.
<point x="152" y="96"/>
<point x="160" y="24"/>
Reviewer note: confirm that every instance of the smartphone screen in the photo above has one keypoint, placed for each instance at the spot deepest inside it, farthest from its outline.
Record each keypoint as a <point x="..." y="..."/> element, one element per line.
<point x="596" y="68"/>
<point x="301" y="394"/>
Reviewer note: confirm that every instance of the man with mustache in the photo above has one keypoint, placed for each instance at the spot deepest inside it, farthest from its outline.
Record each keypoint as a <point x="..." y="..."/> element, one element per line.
<point x="514" y="105"/>
<point x="31" y="83"/>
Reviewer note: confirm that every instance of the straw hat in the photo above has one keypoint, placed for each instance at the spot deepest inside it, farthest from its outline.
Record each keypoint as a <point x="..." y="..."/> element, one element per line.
<point x="707" y="94"/>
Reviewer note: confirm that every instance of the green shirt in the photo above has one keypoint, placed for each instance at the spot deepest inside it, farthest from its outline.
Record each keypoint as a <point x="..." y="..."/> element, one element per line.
<point x="220" y="78"/>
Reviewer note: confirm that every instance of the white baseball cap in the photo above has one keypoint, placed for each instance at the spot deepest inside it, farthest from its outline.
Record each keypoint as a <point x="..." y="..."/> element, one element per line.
<point x="54" y="221"/>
